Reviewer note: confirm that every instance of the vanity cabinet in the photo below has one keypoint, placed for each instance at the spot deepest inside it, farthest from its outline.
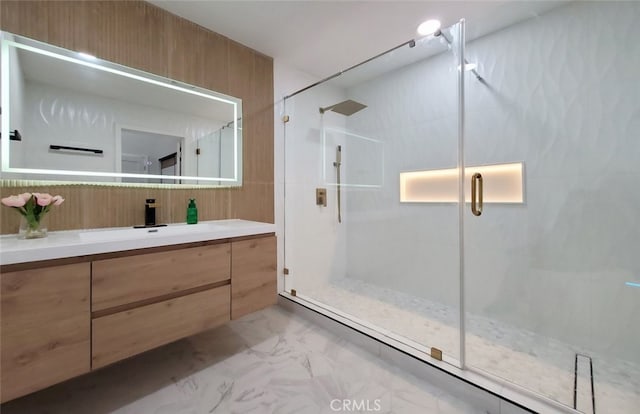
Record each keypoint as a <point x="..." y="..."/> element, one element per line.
<point x="125" y="280"/>
<point x="253" y="275"/>
<point x="62" y="320"/>
<point x="45" y="327"/>
<point x="127" y="333"/>
<point x="147" y="300"/>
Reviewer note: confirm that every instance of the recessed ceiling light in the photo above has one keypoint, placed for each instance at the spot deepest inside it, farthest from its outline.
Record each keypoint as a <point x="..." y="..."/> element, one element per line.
<point x="428" y="27"/>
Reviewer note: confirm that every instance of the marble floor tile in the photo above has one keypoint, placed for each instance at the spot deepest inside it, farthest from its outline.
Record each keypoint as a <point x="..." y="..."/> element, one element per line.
<point x="541" y="364"/>
<point x="271" y="361"/>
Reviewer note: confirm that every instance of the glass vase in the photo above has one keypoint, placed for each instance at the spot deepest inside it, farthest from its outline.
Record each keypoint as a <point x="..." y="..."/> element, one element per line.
<point x="33" y="230"/>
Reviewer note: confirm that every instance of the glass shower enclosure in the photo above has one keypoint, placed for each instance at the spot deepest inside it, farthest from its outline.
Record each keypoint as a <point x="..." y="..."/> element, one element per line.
<point x="474" y="201"/>
<point x="364" y="248"/>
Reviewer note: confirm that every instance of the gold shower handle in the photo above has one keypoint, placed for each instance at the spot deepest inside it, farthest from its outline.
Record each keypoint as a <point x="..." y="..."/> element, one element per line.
<point x="476" y="194"/>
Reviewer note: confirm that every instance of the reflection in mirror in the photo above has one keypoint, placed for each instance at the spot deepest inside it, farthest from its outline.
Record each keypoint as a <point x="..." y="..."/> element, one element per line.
<point x="150" y="154"/>
<point x="81" y="118"/>
<point x="220" y="144"/>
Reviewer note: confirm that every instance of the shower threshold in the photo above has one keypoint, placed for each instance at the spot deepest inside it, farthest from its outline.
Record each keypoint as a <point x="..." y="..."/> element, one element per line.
<point x="482" y="391"/>
<point x="486" y="390"/>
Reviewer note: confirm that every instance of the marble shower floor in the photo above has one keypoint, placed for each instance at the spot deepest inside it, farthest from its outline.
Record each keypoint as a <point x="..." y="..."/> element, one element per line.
<point x="539" y="363"/>
<point x="268" y="362"/>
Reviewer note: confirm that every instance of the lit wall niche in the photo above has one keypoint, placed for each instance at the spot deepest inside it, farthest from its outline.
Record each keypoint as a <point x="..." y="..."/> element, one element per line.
<point x="503" y="183"/>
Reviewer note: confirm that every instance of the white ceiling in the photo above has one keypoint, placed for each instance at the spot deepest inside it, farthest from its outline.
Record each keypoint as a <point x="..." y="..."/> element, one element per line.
<point x="325" y="37"/>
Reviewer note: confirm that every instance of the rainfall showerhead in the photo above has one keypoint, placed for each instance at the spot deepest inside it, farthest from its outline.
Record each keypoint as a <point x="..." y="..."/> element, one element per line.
<point x="346" y="108"/>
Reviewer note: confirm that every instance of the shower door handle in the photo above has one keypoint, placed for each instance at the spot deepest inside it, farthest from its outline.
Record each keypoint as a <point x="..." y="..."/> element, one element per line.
<point x="476" y="194"/>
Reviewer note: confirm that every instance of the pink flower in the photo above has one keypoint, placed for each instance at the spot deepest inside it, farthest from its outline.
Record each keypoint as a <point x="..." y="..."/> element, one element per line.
<point x="14" y="201"/>
<point x="43" y="199"/>
<point x="33" y="207"/>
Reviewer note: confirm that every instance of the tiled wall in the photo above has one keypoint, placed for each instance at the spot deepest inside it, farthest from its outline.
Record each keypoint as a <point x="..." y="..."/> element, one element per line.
<point x="142" y="36"/>
<point x="561" y="94"/>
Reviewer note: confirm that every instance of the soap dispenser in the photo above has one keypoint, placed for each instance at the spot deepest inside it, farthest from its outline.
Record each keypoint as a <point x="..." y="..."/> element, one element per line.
<point x="192" y="212"/>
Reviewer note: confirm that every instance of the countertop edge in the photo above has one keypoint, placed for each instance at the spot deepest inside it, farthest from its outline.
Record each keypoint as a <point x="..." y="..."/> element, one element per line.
<point x="68" y="247"/>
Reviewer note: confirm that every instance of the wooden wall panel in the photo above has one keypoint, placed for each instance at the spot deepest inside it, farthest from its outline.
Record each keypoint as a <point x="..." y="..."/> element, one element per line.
<point x="140" y="35"/>
<point x="96" y="206"/>
<point x="197" y="56"/>
<point x="132" y="33"/>
<point x="73" y="21"/>
<point x="253" y="202"/>
<point x="259" y="167"/>
<point x="26" y="18"/>
<point x="217" y="67"/>
<point x="256" y="201"/>
<point x="212" y="205"/>
<point x="69" y="215"/>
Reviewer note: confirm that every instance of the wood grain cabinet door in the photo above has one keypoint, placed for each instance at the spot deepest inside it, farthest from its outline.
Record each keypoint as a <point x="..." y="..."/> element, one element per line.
<point x="45" y="327"/>
<point x="124" y="334"/>
<point x="253" y="275"/>
<point x="131" y="279"/>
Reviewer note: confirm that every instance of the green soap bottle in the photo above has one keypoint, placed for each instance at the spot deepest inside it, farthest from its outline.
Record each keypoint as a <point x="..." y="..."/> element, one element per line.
<point x="192" y="212"/>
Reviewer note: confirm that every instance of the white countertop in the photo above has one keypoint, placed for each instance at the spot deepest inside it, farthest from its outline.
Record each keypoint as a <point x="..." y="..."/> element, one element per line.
<point x="60" y="244"/>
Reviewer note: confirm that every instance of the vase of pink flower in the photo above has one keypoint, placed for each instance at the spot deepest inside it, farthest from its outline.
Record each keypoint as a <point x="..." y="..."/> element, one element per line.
<point x="34" y="208"/>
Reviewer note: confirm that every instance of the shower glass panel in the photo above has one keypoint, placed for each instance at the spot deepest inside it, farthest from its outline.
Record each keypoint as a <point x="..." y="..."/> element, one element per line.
<point x="378" y="253"/>
<point x="557" y="275"/>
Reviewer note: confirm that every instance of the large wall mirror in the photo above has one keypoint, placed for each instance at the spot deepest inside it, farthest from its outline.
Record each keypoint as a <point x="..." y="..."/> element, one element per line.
<point x="68" y="116"/>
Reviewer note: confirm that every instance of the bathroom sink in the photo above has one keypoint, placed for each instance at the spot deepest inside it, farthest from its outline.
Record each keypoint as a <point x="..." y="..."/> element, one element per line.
<point x="147" y="232"/>
<point x="121" y="234"/>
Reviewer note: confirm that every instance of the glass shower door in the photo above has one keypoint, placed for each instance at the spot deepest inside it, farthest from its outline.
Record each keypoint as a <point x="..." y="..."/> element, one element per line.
<point x="552" y="264"/>
<point x="371" y="194"/>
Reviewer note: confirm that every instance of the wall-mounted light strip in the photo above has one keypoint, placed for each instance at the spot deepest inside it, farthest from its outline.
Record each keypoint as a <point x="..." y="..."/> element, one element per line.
<point x="503" y="183"/>
<point x="633" y="284"/>
<point x="113" y="68"/>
